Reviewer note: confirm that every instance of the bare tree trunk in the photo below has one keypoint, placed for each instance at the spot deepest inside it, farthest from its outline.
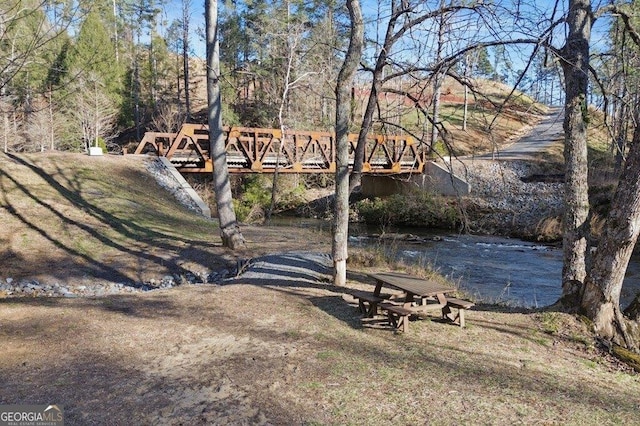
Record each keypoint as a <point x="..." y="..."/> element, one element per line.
<point x="153" y="63"/>
<point x="115" y="30"/>
<point x="400" y="9"/>
<point x="185" y="55"/>
<point x="438" y="78"/>
<point x="178" y="81"/>
<point x="343" y="112"/>
<point x="465" y="111"/>
<point x="6" y="131"/>
<point x="229" y="228"/>
<point x="601" y="300"/>
<point x="136" y="98"/>
<point x="52" y="138"/>
<point x="376" y="84"/>
<point x="284" y="101"/>
<point x="575" y="64"/>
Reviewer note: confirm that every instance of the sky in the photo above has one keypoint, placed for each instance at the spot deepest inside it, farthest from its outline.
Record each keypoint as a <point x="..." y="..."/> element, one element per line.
<point x="370" y="9"/>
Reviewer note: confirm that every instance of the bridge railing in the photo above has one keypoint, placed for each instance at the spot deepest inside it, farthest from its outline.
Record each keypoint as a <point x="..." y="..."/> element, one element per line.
<point x="258" y="150"/>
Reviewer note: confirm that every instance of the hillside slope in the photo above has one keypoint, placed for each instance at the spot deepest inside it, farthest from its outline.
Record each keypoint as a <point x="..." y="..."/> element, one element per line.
<point x="73" y="220"/>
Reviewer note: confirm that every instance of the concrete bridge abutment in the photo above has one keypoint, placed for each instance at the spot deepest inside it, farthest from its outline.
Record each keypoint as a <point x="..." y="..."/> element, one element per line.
<point x="436" y="179"/>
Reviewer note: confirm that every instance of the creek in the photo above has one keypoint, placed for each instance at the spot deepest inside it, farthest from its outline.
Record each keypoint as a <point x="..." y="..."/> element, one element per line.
<point x="487" y="268"/>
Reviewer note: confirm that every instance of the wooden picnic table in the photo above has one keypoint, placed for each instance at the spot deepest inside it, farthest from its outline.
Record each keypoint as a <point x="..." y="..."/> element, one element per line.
<point x="412" y="287"/>
<point x="417" y="293"/>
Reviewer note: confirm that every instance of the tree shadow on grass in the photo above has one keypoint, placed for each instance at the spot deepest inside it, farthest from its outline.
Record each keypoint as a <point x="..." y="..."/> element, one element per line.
<point x="172" y="384"/>
<point x="87" y="264"/>
<point x="99" y="389"/>
<point x="477" y="378"/>
<point x="133" y="305"/>
<point x="304" y="274"/>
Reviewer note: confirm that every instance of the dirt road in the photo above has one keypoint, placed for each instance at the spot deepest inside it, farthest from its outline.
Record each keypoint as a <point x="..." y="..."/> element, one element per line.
<point x="547" y="132"/>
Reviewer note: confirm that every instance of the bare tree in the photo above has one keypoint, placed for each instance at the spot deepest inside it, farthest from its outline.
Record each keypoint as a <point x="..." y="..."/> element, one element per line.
<point x="229" y="228"/>
<point x="600" y="295"/>
<point x="575" y="64"/>
<point x="292" y="37"/>
<point x="603" y="285"/>
<point x="343" y="114"/>
<point x="186" y="19"/>
<point x="6" y="108"/>
<point x="405" y="18"/>
<point x="41" y="126"/>
<point x="167" y="118"/>
<point x="438" y="75"/>
<point x="95" y="112"/>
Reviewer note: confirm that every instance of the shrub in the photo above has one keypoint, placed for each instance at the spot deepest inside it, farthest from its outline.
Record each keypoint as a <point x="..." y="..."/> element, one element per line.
<point x="253" y="197"/>
<point x="416" y="209"/>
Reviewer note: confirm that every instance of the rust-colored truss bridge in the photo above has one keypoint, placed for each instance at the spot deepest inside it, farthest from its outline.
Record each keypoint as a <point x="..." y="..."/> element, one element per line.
<point x="254" y="150"/>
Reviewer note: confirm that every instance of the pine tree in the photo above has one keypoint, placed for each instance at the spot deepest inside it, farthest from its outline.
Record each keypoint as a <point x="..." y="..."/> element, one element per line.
<point x="94" y="54"/>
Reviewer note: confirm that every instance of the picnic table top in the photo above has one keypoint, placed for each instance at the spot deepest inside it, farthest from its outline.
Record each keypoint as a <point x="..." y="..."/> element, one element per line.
<point x="411" y="284"/>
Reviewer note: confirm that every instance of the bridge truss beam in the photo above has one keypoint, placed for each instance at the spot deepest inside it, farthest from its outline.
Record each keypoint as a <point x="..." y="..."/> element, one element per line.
<point x="257" y="150"/>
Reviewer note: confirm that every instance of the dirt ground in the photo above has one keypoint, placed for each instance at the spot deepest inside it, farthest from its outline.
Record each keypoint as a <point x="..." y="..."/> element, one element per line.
<point x="293" y="349"/>
<point x="283" y="348"/>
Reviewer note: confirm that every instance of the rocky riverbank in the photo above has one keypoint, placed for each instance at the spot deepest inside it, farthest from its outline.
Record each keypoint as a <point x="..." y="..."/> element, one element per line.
<point x="512" y="198"/>
<point x="10" y="287"/>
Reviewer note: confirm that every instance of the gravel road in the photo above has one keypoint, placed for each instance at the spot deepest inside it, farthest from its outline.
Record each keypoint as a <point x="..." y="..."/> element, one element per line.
<point x="541" y="136"/>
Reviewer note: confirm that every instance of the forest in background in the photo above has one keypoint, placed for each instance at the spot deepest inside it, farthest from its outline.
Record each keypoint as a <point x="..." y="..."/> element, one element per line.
<point x="79" y="74"/>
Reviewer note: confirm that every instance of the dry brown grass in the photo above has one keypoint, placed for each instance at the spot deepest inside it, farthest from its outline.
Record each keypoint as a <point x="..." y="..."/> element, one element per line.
<point x="549" y="229"/>
<point x="300" y="354"/>
<point x="493" y="120"/>
<point x="290" y="352"/>
<point x="72" y="218"/>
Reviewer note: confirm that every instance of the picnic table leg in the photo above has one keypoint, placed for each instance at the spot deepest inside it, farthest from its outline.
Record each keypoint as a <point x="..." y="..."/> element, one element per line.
<point x="405" y="323"/>
<point x="461" y="317"/>
<point x="361" y="306"/>
<point x="446" y="310"/>
<point x="409" y="298"/>
<point x="378" y="289"/>
<point x="399" y="322"/>
<point x="447" y="313"/>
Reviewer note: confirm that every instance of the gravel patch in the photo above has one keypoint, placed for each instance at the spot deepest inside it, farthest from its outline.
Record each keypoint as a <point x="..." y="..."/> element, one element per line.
<point x="291" y="267"/>
<point x="166" y="180"/>
<point x="506" y="200"/>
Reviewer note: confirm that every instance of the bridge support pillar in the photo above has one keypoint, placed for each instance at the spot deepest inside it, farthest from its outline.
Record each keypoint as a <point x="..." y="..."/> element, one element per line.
<point x="435" y="178"/>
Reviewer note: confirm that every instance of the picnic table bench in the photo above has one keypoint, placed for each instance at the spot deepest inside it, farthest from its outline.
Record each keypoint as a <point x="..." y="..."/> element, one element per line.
<point x="460" y="305"/>
<point x="367" y="302"/>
